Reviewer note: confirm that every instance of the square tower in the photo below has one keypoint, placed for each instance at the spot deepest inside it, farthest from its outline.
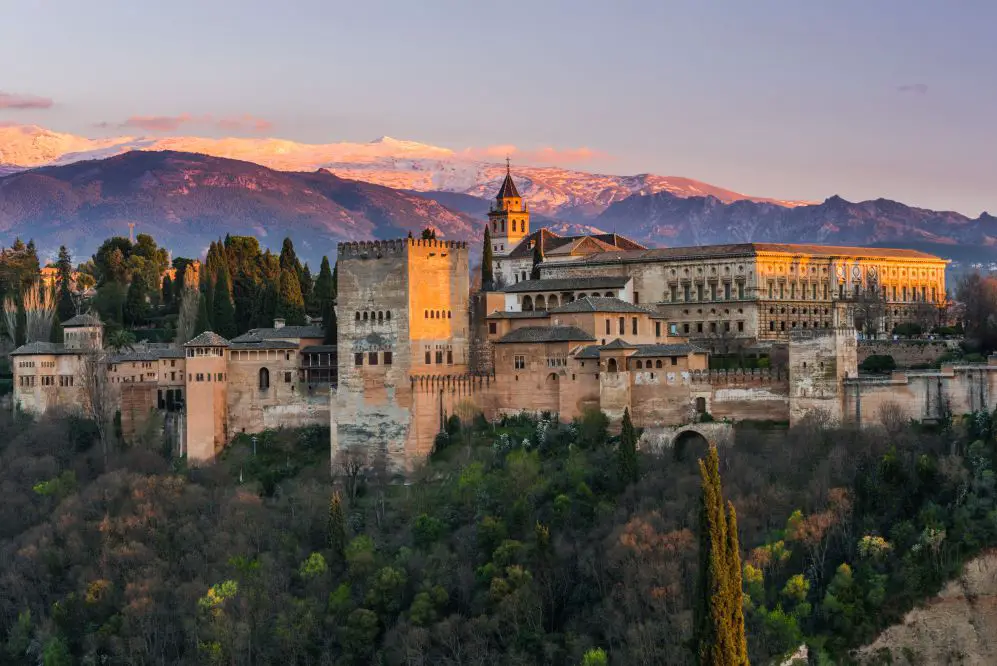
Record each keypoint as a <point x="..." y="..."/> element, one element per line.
<point x="509" y="217"/>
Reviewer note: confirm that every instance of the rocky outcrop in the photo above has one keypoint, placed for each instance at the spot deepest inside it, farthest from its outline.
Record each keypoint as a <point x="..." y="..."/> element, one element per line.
<point x="959" y="626"/>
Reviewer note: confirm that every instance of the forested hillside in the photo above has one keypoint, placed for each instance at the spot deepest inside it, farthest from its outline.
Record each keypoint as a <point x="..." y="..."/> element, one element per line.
<point x="520" y="542"/>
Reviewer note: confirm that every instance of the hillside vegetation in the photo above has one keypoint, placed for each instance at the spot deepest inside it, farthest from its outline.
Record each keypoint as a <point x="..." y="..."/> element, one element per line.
<point x="519" y="542"/>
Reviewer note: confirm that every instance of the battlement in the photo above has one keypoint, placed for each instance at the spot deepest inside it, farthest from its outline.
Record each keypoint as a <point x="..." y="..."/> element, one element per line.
<point x="396" y="248"/>
<point x="459" y="382"/>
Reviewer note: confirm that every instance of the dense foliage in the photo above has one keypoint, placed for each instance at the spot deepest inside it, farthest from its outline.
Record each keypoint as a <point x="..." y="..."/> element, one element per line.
<point x="518" y="543"/>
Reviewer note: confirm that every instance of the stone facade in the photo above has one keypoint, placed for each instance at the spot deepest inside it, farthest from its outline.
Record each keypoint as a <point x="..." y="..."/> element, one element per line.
<point x="907" y="353"/>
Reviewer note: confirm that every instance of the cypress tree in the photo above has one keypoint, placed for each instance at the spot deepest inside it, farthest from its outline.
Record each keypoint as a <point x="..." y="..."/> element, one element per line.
<point x="307" y="286"/>
<point x="167" y="292"/>
<point x="136" y="308"/>
<point x="65" y="307"/>
<point x="487" y="276"/>
<point x="719" y="620"/>
<point x="324" y="298"/>
<point x="337" y="528"/>
<point x="627" y="452"/>
<point x="290" y="305"/>
<point x="203" y="322"/>
<point x="223" y="316"/>
<point x="538" y="256"/>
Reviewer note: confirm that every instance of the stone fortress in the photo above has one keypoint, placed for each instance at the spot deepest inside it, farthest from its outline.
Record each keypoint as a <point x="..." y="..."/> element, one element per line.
<point x="572" y="323"/>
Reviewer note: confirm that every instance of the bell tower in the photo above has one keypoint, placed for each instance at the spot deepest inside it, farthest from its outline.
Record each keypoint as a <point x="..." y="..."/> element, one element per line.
<point x="509" y="217"/>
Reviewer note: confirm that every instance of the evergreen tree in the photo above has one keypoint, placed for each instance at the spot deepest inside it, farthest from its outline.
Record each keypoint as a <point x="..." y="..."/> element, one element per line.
<point x="307" y="286"/>
<point x="136" y="308"/>
<point x="538" y="257"/>
<point x="329" y="310"/>
<point x="65" y="306"/>
<point x="337" y="528"/>
<point x="487" y="276"/>
<point x="288" y="258"/>
<point x="429" y="233"/>
<point x="626" y="453"/>
<point x="203" y="322"/>
<point x="290" y="306"/>
<point x="223" y="316"/>
<point x="719" y="621"/>
<point x="323" y="290"/>
<point x="167" y="292"/>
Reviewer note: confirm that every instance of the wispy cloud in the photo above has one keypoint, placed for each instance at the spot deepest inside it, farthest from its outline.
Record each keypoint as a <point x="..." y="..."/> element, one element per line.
<point x="15" y="101"/>
<point x="915" y="88"/>
<point x="162" y="124"/>
<point x="542" y="155"/>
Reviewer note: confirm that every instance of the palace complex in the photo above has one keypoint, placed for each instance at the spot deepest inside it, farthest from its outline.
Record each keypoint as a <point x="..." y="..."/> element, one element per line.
<point x="573" y="323"/>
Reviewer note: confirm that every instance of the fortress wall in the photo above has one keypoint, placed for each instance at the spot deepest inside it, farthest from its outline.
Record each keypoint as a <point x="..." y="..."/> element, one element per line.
<point x="906" y="353"/>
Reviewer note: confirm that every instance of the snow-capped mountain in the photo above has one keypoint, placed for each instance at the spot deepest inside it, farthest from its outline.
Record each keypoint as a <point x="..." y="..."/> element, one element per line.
<point x="406" y="165"/>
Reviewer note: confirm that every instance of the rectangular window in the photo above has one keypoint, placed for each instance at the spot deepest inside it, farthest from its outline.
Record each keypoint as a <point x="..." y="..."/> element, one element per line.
<point x="685" y="292"/>
<point x="636" y="297"/>
<point x="771" y="287"/>
<point x="439" y="357"/>
<point x="428" y="358"/>
<point x="358" y="359"/>
<point x="792" y="290"/>
<point x="740" y="290"/>
<point x="699" y="327"/>
<point x="657" y="329"/>
<point x="287" y="377"/>
<point x="608" y="329"/>
<point x="387" y="358"/>
<point x="740" y="327"/>
<point x="674" y="359"/>
<point x="782" y="290"/>
<point x="685" y="328"/>
<point x="492" y="327"/>
<point x="699" y="292"/>
<point x="814" y="291"/>
<point x="519" y="362"/>
<point x="623" y="326"/>
<point x="371" y="358"/>
<point x="727" y="290"/>
<point x="449" y="357"/>
<point x="672" y="293"/>
<point x="633" y="325"/>
<point x="713" y="327"/>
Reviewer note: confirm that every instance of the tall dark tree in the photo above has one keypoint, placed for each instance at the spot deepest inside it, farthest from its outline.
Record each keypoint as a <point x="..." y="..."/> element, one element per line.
<point x="288" y="258"/>
<point x="223" y="316"/>
<point x="719" y="619"/>
<point x="322" y="291"/>
<point x="429" y="233"/>
<point x="337" y="529"/>
<point x="136" y="309"/>
<point x="290" y="306"/>
<point x="307" y="285"/>
<point x="626" y="453"/>
<point x="538" y="257"/>
<point x="203" y="322"/>
<point x="65" y="305"/>
<point x="167" y="294"/>
<point x="487" y="275"/>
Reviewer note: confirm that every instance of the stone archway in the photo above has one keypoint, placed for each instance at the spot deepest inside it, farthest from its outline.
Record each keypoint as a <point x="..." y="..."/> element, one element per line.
<point x="682" y="436"/>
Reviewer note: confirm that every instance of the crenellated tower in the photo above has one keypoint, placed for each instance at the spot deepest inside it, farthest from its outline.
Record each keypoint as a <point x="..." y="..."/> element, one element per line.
<point x="509" y="217"/>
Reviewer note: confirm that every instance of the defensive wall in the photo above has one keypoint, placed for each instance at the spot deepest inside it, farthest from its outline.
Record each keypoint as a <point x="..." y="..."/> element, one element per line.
<point x="907" y="353"/>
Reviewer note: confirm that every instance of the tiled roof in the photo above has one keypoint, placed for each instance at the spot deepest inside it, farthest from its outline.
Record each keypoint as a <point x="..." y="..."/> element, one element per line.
<point x="569" y="284"/>
<point x="752" y="250"/>
<point x="152" y="352"/>
<point x="263" y="344"/>
<point x="642" y="351"/>
<point x="81" y="320"/>
<point x="508" y="188"/>
<point x="319" y="349"/>
<point x="283" y="333"/>
<point x="43" y="348"/>
<point x="529" y="314"/>
<point x="618" y="344"/>
<point x="554" y="244"/>
<point x="599" y="304"/>
<point x="208" y="339"/>
<point x="547" y="334"/>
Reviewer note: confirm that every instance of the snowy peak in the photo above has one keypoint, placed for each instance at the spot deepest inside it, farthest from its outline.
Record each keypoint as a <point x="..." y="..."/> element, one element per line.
<point x="387" y="161"/>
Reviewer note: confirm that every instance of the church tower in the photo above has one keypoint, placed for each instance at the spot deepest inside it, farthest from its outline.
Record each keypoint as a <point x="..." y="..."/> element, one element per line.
<point x="509" y="217"/>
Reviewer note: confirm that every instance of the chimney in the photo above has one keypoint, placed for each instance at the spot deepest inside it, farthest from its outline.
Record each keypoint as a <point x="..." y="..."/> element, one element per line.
<point x="278" y="323"/>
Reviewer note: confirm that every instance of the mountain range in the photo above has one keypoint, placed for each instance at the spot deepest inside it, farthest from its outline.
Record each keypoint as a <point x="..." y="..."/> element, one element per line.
<point x="187" y="199"/>
<point x="409" y="165"/>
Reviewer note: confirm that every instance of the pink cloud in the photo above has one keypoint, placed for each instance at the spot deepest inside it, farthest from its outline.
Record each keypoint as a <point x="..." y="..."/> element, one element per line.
<point x="243" y="123"/>
<point x="14" y="101"/>
<point x="542" y="155"/>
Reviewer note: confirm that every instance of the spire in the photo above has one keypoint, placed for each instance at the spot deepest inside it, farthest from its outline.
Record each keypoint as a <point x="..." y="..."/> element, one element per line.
<point x="508" y="188"/>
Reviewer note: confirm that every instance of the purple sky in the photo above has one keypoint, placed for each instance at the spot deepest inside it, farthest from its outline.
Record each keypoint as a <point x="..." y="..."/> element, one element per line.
<point x="786" y="99"/>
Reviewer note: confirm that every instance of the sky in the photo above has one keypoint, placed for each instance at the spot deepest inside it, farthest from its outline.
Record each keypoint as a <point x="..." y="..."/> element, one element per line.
<point x="785" y="99"/>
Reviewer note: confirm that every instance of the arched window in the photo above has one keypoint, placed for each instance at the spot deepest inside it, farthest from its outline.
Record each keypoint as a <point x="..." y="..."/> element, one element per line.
<point x="358" y="315"/>
<point x="657" y="364"/>
<point x="264" y="379"/>
<point x="540" y="303"/>
<point x="425" y="314"/>
<point x="387" y="315"/>
<point x="611" y="365"/>
<point x="380" y="315"/>
<point x="552" y="302"/>
<point x="640" y="366"/>
<point x="701" y="405"/>
<point x="365" y="316"/>
<point x="581" y="295"/>
<point x="527" y="304"/>
<point x="449" y="314"/>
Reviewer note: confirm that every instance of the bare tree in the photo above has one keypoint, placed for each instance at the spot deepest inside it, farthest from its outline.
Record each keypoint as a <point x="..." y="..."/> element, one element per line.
<point x="926" y="315"/>
<point x="98" y="399"/>
<point x="189" y="301"/>
<point x="351" y="465"/>
<point x="39" y="313"/>
<point x="893" y="417"/>
<point x="868" y="309"/>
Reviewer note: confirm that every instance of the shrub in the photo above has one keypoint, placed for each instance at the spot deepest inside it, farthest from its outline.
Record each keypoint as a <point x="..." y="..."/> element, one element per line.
<point x="878" y="364"/>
